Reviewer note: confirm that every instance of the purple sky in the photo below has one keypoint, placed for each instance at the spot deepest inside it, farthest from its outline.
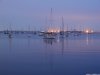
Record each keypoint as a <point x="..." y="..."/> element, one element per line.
<point x="22" y="13"/>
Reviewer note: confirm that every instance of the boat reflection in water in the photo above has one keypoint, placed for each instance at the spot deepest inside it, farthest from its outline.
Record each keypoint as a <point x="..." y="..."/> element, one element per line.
<point x="49" y="41"/>
<point x="72" y="55"/>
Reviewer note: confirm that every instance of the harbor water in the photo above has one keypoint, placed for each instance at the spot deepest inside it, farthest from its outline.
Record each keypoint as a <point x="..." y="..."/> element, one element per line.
<point x="33" y="55"/>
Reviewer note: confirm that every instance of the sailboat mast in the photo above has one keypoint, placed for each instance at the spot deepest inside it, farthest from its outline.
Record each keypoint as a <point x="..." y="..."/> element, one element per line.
<point x="46" y="27"/>
<point x="62" y="24"/>
<point x="10" y="29"/>
<point x="51" y="18"/>
<point x="29" y="28"/>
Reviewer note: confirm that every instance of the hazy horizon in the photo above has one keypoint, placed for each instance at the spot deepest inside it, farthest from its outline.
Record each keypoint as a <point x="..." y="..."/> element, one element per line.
<point x="21" y="14"/>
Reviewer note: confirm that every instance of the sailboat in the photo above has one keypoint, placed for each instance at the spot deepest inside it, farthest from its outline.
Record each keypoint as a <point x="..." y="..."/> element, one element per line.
<point x="49" y="34"/>
<point x="29" y="31"/>
<point x="10" y="32"/>
<point x="62" y="32"/>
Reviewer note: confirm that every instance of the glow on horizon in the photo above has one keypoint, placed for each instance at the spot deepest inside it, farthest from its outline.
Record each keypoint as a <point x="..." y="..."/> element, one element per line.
<point x="20" y="13"/>
<point x="88" y="31"/>
<point x="54" y="30"/>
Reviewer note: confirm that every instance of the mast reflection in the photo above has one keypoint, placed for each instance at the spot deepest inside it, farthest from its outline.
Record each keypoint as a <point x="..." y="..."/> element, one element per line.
<point x="49" y="41"/>
<point x="10" y="44"/>
<point x="62" y="45"/>
<point x="87" y="39"/>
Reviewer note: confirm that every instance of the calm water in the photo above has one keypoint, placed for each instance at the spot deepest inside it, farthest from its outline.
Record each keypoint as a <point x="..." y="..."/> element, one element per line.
<point x="22" y="55"/>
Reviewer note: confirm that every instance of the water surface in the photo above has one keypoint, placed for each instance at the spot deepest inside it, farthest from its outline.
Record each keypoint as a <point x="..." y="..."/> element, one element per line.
<point x="74" y="55"/>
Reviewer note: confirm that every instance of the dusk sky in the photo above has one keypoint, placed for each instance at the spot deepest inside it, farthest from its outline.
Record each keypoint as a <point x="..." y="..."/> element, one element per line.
<point x="78" y="14"/>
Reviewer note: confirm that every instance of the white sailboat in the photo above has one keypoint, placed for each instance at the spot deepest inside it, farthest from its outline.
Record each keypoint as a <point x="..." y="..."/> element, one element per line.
<point x="49" y="34"/>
